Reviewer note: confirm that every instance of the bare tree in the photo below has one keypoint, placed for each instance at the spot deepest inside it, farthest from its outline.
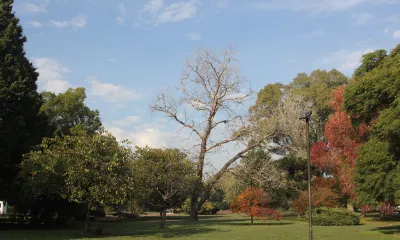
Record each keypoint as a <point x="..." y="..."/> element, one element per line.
<point x="214" y="91"/>
<point x="291" y="130"/>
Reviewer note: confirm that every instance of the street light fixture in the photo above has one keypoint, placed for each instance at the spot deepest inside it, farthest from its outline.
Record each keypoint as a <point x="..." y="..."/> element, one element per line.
<point x="307" y="117"/>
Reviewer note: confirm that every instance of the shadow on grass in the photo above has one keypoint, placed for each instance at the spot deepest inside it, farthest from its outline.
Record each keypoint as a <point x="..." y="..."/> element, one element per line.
<point x="150" y="229"/>
<point x="388" y="230"/>
<point x="147" y="227"/>
<point x="255" y="224"/>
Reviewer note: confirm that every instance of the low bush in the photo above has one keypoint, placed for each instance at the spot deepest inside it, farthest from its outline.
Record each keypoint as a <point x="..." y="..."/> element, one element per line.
<point x="334" y="217"/>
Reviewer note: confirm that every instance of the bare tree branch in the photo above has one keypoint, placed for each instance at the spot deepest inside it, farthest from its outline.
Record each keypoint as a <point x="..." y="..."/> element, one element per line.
<point x="213" y="89"/>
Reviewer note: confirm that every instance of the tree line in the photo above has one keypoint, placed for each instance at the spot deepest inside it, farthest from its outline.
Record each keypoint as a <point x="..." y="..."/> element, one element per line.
<point x="54" y="149"/>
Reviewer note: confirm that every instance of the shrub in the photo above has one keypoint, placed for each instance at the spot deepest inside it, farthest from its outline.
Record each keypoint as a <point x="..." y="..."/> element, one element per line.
<point x="208" y="208"/>
<point x="385" y="209"/>
<point x="334" y="217"/>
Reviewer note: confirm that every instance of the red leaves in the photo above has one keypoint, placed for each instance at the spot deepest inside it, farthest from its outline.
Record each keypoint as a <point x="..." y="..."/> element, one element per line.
<point x="338" y="97"/>
<point x="338" y="155"/>
<point x="320" y="156"/>
<point x="322" y="195"/>
<point x="366" y="209"/>
<point x="385" y="209"/>
<point x="254" y="203"/>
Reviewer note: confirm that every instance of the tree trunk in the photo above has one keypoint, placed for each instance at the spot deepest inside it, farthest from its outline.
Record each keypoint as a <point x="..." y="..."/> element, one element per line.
<point x="194" y="209"/>
<point x="162" y="218"/>
<point x="87" y="222"/>
<point x="252" y="220"/>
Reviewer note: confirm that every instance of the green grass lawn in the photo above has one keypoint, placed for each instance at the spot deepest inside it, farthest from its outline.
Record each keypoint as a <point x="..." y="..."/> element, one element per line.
<point x="218" y="227"/>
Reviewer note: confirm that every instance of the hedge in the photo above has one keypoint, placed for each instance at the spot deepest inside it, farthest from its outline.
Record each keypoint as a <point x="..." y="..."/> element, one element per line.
<point x="334" y="217"/>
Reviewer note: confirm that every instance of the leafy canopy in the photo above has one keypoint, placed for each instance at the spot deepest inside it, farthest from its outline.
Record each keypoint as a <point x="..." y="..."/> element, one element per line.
<point x="374" y="99"/>
<point x="80" y="168"/>
<point x="68" y="110"/>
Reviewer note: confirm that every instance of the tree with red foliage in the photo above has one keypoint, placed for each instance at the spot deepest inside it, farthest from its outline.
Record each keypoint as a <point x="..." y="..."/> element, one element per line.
<point x="254" y="203"/>
<point x="322" y="196"/>
<point x="337" y="155"/>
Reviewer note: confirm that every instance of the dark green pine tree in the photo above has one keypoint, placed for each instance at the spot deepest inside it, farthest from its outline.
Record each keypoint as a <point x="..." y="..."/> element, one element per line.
<point x="20" y="124"/>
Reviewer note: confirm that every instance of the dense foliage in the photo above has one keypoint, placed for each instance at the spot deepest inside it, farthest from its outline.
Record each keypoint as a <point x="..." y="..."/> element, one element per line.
<point x="82" y="168"/>
<point x="68" y="110"/>
<point x="374" y="99"/>
<point x="21" y="126"/>
<point x="254" y="202"/>
<point x="322" y="196"/>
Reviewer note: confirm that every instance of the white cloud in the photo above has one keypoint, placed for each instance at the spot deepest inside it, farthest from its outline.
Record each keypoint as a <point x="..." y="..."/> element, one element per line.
<point x="396" y="34"/>
<point x="143" y="137"/>
<point x="313" y="5"/>
<point x="364" y="42"/>
<point x="35" y="24"/>
<point x="121" y="8"/>
<point x="345" y="60"/>
<point x="129" y="120"/>
<point x="51" y="75"/>
<point x="120" y="20"/>
<point x="386" y="30"/>
<point x="222" y="3"/>
<point x="112" y="92"/>
<point x="77" y="22"/>
<point x="177" y="11"/>
<point x="364" y="18"/>
<point x="34" y="8"/>
<point x="119" y="105"/>
<point x="153" y="6"/>
<point x="194" y="36"/>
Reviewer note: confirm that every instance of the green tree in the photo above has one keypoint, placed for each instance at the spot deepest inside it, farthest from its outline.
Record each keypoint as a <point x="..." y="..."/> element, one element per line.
<point x="82" y="168"/>
<point x="20" y="124"/>
<point x="377" y="173"/>
<point x="369" y="62"/>
<point x="166" y="175"/>
<point x="68" y="110"/>
<point x="305" y="92"/>
<point x="269" y="97"/>
<point x="317" y="89"/>
<point x="374" y="100"/>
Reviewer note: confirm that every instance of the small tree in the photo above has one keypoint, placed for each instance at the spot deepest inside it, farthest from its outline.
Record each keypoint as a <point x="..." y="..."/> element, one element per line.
<point x="166" y="177"/>
<point x="322" y="196"/>
<point x="254" y="203"/>
<point x="81" y="168"/>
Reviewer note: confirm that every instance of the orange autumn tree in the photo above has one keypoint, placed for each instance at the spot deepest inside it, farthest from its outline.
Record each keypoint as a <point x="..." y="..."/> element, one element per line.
<point x="336" y="155"/>
<point x="322" y="196"/>
<point x="254" y="203"/>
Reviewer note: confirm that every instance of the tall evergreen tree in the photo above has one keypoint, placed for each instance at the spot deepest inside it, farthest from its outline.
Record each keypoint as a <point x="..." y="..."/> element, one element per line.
<point x="19" y="99"/>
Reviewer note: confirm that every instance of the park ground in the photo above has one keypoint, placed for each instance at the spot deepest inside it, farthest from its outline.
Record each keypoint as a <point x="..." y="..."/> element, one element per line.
<point x="219" y="227"/>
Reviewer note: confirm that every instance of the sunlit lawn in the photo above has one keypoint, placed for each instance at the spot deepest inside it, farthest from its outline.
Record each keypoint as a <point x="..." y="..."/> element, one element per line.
<point x="227" y="227"/>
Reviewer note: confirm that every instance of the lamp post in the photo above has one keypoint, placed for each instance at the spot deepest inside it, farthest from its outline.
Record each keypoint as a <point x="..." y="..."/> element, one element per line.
<point x="307" y="117"/>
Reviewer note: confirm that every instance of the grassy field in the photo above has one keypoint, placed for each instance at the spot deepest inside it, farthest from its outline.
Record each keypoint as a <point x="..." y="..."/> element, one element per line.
<point x="218" y="227"/>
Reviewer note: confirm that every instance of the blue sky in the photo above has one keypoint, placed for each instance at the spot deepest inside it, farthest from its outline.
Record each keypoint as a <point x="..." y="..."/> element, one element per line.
<point x="123" y="51"/>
